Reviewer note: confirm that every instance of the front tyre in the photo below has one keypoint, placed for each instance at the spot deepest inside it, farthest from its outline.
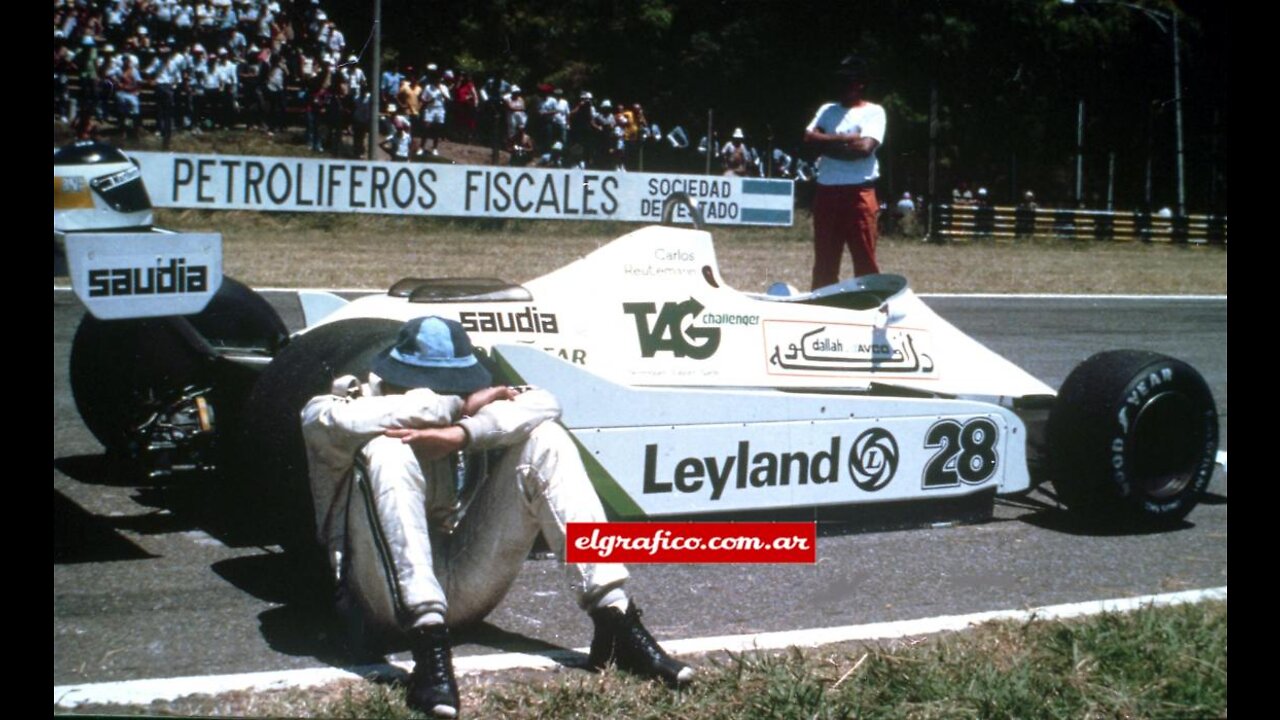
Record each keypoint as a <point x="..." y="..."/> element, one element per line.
<point x="1133" y="436"/>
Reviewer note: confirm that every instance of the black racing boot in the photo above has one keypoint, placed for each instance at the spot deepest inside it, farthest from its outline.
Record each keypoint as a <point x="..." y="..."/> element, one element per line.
<point x="621" y="639"/>
<point x="432" y="687"/>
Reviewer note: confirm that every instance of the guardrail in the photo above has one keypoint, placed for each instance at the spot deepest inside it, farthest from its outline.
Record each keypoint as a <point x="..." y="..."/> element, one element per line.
<point x="957" y="222"/>
<point x="294" y="97"/>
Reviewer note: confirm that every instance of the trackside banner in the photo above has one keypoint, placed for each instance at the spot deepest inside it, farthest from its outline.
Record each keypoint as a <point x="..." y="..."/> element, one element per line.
<point x="239" y="182"/>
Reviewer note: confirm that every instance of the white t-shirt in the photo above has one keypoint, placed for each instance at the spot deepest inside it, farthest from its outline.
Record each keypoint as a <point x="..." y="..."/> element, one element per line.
<point x="434" y="96"/>
<point x="867" y="120"/>
<point x="230" y="74"/>
<point x="206" y="74"/>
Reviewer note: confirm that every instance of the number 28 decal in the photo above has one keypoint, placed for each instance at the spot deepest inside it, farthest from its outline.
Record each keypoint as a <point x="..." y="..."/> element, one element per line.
<point x="966" y="453"/>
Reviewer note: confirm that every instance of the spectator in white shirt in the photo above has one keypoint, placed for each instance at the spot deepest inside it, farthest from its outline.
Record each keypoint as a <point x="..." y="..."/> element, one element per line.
<point x="166" y="74"/>
<point x="353" y="74"/>
<point x="183" y="23"/>
<point x="229" y="88"/>
<point x="337" y="41"/>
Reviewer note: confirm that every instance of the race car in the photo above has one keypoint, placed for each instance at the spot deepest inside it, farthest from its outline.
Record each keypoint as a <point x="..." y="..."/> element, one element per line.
<point x="686" y="397"/>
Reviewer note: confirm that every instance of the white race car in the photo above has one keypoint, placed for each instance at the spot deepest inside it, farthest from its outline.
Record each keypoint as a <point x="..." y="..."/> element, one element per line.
<point x="686" y="397"/>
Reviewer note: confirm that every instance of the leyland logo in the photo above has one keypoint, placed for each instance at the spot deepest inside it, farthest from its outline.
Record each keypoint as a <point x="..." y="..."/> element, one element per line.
<point x="668" y="332"/>
<point x="874" y="459"/>
<point x="872" y="464"/>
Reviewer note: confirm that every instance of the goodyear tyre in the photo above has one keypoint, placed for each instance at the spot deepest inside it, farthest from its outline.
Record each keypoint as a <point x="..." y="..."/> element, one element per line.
<point x="123" y="371"/>
<point x="274" y="459"/>
<point x="1133" y="437"/>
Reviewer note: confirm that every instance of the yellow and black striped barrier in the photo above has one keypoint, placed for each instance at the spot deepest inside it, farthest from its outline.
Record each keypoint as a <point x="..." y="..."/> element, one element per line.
<point x="958" y="222"/>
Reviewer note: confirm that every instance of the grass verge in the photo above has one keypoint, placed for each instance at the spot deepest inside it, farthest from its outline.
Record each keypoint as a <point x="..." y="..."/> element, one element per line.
<point x="1166" y="662"/>
<point x="331" y="250"/>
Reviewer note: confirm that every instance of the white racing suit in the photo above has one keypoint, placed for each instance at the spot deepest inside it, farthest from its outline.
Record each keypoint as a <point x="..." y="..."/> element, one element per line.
<point x="404" y="540"/>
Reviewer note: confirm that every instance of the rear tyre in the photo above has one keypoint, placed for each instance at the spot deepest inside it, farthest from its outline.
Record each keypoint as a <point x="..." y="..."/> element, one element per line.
<point x="123" y="371"/>
<point x="271" y="445"/>
<point x="1133" y="437"/>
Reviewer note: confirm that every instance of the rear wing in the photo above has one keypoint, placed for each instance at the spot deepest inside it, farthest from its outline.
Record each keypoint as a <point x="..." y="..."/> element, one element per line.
<point x="143" y="274"/>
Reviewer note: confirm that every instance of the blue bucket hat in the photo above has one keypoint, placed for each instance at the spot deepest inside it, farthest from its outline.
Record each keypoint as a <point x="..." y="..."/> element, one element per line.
<point x="433" y="352"/>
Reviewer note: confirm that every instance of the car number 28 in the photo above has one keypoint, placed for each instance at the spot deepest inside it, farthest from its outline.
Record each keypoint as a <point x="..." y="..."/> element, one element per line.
<point x="966" y="452"/>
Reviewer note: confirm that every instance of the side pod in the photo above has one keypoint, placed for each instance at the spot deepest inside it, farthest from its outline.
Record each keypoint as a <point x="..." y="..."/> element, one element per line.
<point x="679" y="451"/>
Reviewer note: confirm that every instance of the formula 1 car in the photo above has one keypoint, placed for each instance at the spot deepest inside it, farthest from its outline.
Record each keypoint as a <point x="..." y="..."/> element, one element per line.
<point x="686" y="397"/>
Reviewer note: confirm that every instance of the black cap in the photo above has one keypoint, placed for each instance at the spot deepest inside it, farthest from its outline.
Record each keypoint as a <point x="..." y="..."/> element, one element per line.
<point x="852" y="69"/>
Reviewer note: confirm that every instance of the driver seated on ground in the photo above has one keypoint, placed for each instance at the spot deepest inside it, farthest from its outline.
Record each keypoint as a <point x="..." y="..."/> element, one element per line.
<point x="430" y="487"/>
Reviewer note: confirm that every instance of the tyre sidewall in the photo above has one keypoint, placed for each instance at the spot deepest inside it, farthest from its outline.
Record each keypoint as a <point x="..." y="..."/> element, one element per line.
<point x="121" y="371"/>
<point x="1164" y="376"/>
<point x="1093" y="433"/>
<point x="270" y="448"/>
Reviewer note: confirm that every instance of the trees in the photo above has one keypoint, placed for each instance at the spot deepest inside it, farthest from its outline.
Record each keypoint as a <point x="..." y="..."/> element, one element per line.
<point x="1009" y="74"/>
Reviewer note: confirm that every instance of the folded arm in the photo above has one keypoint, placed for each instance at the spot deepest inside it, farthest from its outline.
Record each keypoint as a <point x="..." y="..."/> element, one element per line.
<point x="842" y="146"/>
<point x="492" y="418"/>
<point x="354" y="421"/>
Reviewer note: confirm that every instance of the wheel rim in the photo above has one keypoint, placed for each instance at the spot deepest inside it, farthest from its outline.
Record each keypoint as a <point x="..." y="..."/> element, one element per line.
<point x="1166" y="441"/>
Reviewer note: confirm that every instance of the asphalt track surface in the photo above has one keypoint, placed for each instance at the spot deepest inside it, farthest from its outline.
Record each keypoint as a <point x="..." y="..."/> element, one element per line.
<point x="144" y="587"/>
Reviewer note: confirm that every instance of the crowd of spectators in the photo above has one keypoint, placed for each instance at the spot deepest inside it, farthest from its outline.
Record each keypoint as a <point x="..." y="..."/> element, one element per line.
<point x="963" y="196"/>
<point x="166" y="66"/>
<point x="540" y="128"/>
<point x="738" y="157"/>
<point x="205" y="64"/>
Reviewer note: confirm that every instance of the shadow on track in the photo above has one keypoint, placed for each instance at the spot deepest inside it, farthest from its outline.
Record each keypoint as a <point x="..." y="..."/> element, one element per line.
<point x="1044" y="511"/>
<point x="79" y="536"/>
<point x="307" y="624"/>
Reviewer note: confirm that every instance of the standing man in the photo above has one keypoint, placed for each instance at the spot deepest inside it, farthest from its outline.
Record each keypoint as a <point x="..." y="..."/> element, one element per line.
<point x="351" y="72"/>
<point x="466" y="103"/>
<point x="736" y="157"/>
<point x="433" y="97"/>
<point x="846" y="135"/>
<point x="517" y="116"/>
<point x="87" y="62"/>
<point x="277" y="77"/>
<point x="582" y="124"/>
<point x="409" y="98"/>
<point x="555" y="118"/>
<point x="390" y="83"/>
<point x="360" y="123"/>
<point x="166" y="72"/>
<point x="430" y="486"/>
<point x="128" y="82"/>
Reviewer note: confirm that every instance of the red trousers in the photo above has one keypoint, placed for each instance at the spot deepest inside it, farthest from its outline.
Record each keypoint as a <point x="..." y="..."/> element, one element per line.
<point x="843" y="216"/>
